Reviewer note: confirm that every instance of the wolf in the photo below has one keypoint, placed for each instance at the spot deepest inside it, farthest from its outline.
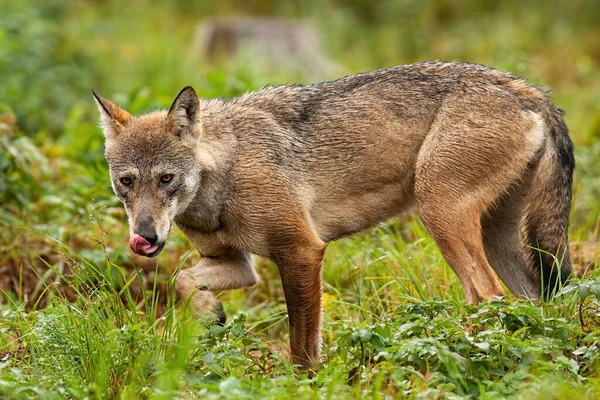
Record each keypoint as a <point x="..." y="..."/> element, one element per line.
<point x="484" y="158"/>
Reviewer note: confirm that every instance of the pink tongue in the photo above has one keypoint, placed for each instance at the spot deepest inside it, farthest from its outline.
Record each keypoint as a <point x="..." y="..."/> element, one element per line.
<point x="141" y="246"/>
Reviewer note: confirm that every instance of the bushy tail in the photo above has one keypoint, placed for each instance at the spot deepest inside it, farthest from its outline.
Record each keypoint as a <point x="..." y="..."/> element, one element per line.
<point x="549" y="204"/>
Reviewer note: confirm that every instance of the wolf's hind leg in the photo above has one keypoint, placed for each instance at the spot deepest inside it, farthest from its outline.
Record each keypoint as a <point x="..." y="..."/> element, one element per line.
<point x="504" y="243"/>
<point x="230" y="270"/>
<point x="451" y="200"/>
<point x="458" y="235"/>
<point x="479" y="145"/>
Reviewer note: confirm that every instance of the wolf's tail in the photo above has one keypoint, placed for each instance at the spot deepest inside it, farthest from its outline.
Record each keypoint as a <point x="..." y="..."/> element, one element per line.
<point x="549" y="204"/>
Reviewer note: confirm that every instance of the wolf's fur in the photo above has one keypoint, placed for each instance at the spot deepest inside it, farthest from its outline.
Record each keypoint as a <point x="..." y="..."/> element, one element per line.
<point x="485" y="159"/>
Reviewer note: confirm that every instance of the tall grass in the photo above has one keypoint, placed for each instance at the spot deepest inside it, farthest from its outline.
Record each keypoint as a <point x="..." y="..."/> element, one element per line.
<point x="387" y="331"/>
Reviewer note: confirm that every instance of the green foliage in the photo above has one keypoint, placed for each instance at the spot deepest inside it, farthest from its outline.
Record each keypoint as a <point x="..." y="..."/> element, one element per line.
<point x="42" y="72"/>
<point x="21" y="166"/>
<point x="494" y="349"/>
<point x="103" y="345"/>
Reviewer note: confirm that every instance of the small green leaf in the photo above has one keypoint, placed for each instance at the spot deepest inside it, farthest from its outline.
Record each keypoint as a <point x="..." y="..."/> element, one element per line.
<point x="483" y="346"/>
<point x="354" y="338"/>
<point x="583" y="290"/>
<point x="596" y="290"/>
<point x="365" y="335"/>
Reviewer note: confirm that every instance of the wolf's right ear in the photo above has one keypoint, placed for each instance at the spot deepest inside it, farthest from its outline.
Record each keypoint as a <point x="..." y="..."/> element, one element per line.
<point x="112" y="117"/>
<point x="184" y="113"/>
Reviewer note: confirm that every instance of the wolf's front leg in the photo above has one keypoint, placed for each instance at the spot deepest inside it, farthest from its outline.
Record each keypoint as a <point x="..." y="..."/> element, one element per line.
<point x="300" y="270"/>
<point x="230" y="270"/>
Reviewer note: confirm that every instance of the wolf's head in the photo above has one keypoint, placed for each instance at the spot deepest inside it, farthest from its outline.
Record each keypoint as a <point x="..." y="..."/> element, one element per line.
<point x="153" y="165"/>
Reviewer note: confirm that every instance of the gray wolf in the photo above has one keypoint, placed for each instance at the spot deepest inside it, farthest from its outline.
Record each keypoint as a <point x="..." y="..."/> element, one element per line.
<point x="484" y="158"/>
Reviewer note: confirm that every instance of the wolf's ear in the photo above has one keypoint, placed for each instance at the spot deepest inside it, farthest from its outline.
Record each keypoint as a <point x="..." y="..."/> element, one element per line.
<point x="112" y="117"/>
<point x="184" y="113"/>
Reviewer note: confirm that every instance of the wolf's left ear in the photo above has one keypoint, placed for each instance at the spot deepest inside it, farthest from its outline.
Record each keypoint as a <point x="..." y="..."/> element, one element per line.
<point x="112" y="117"/>
<point x="185" y="112"/>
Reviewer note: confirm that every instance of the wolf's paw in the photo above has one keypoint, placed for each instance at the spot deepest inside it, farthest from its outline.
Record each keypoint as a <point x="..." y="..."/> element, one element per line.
<point x="216" y="307"/>
<point x="202" y="303"/>
<point x="198" y="299"/>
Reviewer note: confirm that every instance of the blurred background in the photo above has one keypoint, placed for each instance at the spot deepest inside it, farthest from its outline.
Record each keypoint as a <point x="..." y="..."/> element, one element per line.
<point x="54" y="184"/>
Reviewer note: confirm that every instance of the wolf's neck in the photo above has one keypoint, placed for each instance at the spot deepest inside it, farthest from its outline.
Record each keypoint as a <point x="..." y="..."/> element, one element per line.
<point x="215" y="151"/>
<point x="205" y="211"/>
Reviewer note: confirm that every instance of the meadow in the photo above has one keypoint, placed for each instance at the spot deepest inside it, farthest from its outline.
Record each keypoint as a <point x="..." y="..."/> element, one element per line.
<point x="82" y="317"/>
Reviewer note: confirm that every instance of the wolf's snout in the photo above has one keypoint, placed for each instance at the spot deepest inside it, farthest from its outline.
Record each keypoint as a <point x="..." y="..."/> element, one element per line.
<point x="142" y="246"/>
<point x="146" y="231"/>
<point x="145" y="240"/>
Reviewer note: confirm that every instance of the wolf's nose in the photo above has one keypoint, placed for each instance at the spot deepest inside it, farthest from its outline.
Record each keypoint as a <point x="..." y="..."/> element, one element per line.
<point x="150" y="237"/>
<point x="144" y="227"/>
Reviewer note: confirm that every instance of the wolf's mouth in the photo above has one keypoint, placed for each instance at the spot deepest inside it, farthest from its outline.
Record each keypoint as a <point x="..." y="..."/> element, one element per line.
<point x="143" y="247"/>
<point x="156" y="252"/>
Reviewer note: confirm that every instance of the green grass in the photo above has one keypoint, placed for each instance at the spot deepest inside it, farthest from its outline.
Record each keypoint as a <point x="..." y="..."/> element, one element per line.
<point x="395" y="324"/>
<point x="81" y="318"/>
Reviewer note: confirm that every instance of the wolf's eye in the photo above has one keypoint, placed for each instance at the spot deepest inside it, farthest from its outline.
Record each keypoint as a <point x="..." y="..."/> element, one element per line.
<point x="125" y="180"/>
<point x="166" y="178"/>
